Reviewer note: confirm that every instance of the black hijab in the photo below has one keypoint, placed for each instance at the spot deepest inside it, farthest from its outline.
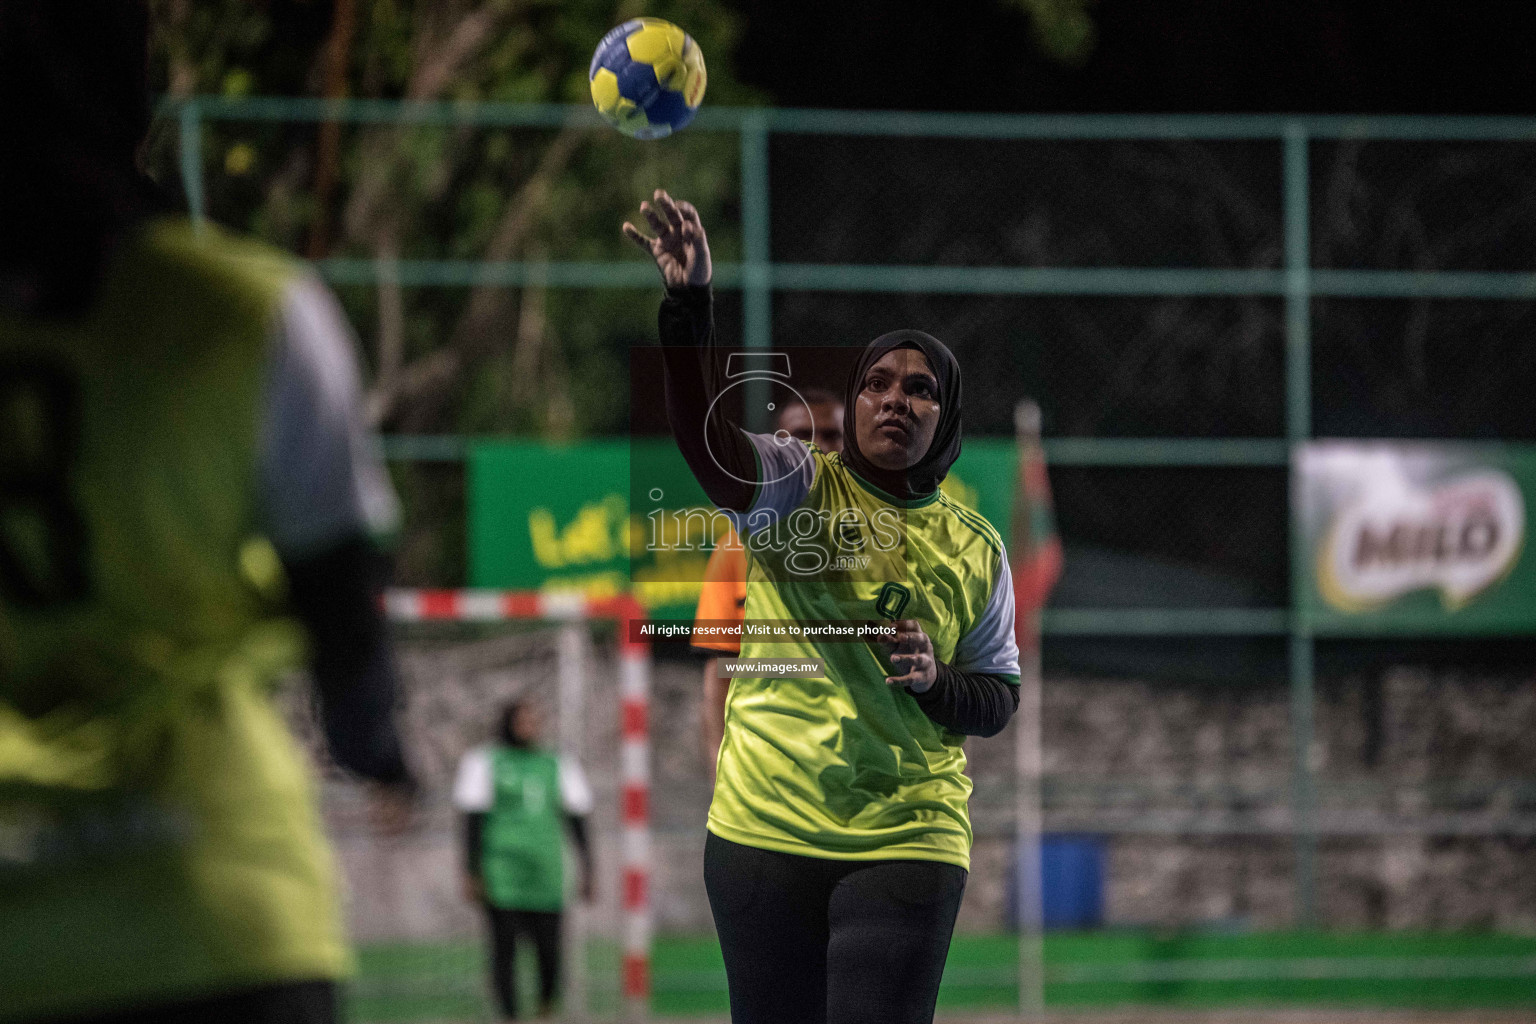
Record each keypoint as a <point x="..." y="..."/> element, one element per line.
<point x="924" y="477"/>
<point x="506" y="726"/>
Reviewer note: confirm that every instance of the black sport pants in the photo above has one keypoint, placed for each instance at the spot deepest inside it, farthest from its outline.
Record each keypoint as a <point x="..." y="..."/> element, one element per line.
<point x="297" y="1002"/>
<point x="544" y="928"/>
<point x="813" y="941"/>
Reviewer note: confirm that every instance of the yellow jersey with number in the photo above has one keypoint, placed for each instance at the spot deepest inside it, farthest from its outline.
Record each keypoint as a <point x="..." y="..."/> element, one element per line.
<point x="845" y="766"/>
<point x="158" y="830"/>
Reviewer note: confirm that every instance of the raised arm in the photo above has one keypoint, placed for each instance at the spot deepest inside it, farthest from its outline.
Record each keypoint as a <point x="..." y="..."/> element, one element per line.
<point x="718" y="452"/>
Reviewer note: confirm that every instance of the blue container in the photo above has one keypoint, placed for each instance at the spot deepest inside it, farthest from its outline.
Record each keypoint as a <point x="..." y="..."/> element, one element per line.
<point x="1071" y="880"/>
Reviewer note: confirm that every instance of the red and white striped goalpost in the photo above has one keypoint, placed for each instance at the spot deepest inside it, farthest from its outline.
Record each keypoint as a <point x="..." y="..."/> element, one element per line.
<point x="634" y="652"/>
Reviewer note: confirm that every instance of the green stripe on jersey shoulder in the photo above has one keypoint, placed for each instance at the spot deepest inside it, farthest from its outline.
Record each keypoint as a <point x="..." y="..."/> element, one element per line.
<point x="975" y="521"/>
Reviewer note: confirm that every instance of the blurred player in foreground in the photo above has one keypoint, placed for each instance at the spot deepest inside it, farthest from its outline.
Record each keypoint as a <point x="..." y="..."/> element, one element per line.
<point x="839" y="835"/>
<point x="179" y="424"/>
<point x="724" y="594"/>
<point x="515" y="798"/>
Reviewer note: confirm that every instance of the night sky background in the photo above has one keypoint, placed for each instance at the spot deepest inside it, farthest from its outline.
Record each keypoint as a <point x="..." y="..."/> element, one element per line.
<point x="1302" y="56"/>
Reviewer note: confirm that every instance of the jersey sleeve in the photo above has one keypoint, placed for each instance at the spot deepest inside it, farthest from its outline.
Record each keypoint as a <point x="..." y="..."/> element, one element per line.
<point x="723" y="597"/>
<point x="990" y="646"/>
<point x="575" y="790"/>
<point x="472" y="789"/>
<point x="786" y="468"/>
<point x="320" y="477"/>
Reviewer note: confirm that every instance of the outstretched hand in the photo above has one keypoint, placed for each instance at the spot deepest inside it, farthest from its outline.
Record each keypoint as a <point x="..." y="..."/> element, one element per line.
<point x="913" y="657"/>
<point x="680" y="249"/>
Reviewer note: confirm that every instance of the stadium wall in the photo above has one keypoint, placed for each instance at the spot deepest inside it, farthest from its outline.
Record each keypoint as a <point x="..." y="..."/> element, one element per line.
<point x="1186" y="781"/>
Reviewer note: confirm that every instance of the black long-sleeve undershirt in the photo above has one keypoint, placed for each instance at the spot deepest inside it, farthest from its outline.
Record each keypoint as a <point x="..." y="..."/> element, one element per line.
<point x="474" y="842"/>
<point x="692" y="374"/>
<point x="969" y="703"/>
<point x="335" y="593"/>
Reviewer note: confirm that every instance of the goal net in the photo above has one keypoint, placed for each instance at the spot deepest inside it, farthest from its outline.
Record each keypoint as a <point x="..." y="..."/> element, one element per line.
<point x="422" y="944"/>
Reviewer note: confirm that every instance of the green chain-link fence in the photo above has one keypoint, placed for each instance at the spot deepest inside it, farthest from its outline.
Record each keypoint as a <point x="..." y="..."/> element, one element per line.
<point x="1186" y="297"/>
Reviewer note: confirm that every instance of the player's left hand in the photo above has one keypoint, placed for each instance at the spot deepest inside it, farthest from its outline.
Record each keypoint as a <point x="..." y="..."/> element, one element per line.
<point x="912" y="656"/>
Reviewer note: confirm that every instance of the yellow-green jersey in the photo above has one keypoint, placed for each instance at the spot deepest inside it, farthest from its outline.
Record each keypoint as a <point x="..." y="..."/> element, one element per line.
<point x="158" y="830"/>
<point x="845" y="766"/>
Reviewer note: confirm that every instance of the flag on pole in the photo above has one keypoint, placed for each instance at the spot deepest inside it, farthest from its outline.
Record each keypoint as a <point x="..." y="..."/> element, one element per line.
<point x="1036" y="565"/>
<point x="1035" y="546"/>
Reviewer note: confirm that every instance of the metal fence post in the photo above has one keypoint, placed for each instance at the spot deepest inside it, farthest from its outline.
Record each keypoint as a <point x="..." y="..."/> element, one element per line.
<point x="573" y="664"/>
<point x="756" y="256"/>
<point x="192" y="160"/>
<point x="1028" y="775"/>
<point x="1298" y="423"/>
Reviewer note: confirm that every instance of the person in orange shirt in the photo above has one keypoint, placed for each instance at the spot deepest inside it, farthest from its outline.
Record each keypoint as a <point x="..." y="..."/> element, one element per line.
<point x="724" y="594"/>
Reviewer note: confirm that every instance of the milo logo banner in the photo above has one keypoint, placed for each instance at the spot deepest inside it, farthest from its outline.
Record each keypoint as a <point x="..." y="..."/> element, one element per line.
<point x="1408" y="538"/>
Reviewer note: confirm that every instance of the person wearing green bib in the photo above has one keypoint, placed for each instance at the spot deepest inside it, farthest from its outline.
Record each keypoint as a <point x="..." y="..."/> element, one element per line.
<point x="839" y="837"/>
<point x="518" y="801"/>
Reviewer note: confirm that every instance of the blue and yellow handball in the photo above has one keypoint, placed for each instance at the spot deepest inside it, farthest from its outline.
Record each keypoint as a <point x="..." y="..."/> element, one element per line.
<point x="647" y="78"/>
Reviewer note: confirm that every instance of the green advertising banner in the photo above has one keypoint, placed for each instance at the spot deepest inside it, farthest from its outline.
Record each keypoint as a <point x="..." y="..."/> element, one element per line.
<point x="1401" y="538"/>
<point x="558" y="517"/>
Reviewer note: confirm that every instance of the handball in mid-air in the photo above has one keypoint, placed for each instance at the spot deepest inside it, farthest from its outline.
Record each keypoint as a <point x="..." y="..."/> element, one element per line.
<point x="647" y="78"/>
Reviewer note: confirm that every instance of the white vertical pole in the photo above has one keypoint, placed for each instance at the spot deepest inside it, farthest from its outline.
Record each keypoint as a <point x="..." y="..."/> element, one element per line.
<point x="635" y="800"/>
<point x="192" y="162"/>
<point x="1031" y="905"/>
<point x="1028" y="769"/>
<point x="571" y="659"/>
